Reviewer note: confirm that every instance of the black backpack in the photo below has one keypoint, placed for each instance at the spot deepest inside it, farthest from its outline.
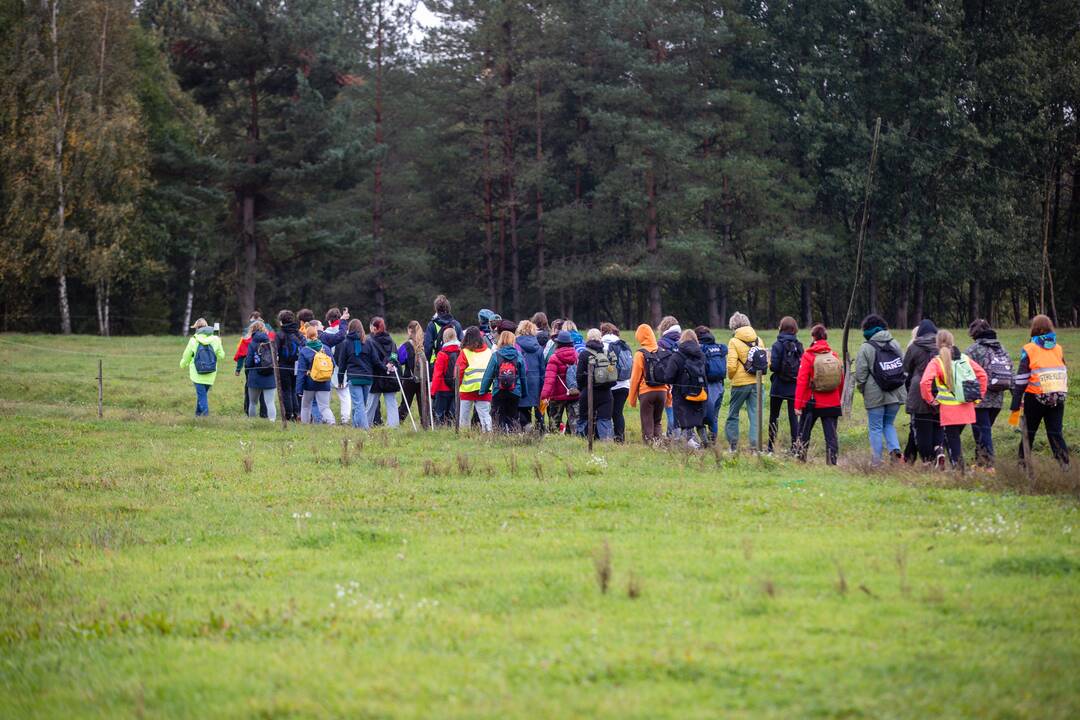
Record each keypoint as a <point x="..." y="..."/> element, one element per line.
<point x="999" y="370"/>
<point x="451" y="368"/>
<point x="288" y="350"/>
<point x="693" y="378"/>
<point x="888" y="369"/>
<point x="790" y="360"/>
<point x="660" y="367"/>
<point x="437" y="345"/>
<point x="262" y="358"/>
<point x="757" y="359"/>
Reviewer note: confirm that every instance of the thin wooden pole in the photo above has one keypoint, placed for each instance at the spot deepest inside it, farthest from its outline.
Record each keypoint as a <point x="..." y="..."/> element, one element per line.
<point x="590" y="403"/>
<point x="760" y="407"/>
<point x="100" y="389"/>
<point x="1029" y="461"/>
<point x="1045" y="247"/>
<point x="457" y="405"/>
<point x="277" y="385"/>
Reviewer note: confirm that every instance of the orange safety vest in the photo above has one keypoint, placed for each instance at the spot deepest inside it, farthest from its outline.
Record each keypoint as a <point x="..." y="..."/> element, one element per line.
<point x="1048" y="374"/>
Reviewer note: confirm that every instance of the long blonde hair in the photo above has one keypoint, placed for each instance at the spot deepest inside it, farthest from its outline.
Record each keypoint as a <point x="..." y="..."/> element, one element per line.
<point x="415" y="334"/>
<point x="946" y="343"/>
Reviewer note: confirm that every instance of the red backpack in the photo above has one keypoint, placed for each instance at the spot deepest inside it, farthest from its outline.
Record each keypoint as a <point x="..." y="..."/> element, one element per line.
<point x="508" y="375"/>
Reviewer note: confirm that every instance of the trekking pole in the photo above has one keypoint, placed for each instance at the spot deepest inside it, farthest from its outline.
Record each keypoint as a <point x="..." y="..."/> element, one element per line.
<point x="760" y="409"/>
<point x="280" y="393"/>
<point x="408" y="408"/>
<point x="426" y="385"/>
<point x="1025" y="442"/>
<point x="100" y="389"/>
<point x="590" y="406"/>
<point x="457" y="405"/>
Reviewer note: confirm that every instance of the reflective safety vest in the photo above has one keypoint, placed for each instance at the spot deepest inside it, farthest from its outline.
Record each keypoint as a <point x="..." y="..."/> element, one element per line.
<point x="1048" y="374"/>
<point x="474" y="371"/>
<point x="961" y="371"/>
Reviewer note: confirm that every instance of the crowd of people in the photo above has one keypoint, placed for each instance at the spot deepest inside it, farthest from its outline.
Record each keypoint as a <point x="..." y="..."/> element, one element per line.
<point x="539" y="376"/>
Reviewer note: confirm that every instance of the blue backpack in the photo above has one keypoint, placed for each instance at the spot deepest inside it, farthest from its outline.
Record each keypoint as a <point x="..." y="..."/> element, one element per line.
<point x="715" y="361"/>
<point x="205" y="359"/>
<point x="624" y="358"/>
<point x="288" y="350"/>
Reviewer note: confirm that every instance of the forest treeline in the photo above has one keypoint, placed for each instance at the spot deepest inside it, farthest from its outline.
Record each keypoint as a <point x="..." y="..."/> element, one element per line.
<point x="615" y="159"/>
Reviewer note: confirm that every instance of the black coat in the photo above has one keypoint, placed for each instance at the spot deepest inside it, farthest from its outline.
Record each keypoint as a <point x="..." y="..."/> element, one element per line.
<point x="602" y="400"/>
<point x="691" y="364"/>
<point x="352" y="362"/>
<point x="782" y="387"/>
<point x="289" y="343"/>
<point x="918" y="356"/>
<point x="380" y="350"/>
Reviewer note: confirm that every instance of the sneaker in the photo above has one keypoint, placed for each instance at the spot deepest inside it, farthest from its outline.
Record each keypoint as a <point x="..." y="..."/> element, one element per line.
<point x="896" y="457"/>
<point x="941" y="462"/>
<point x="693" y="444"/>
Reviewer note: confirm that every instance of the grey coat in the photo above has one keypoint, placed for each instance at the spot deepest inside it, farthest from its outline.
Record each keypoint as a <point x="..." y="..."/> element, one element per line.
<point x="980" y="352"/>
<point x="874" y="396"/>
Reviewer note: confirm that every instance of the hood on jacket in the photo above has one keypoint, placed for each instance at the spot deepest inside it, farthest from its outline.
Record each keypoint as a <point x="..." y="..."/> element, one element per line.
<point x="290" y="328"/>
<point x="596" y="345"/>
<point x="508" y="353"/>
<point x="451" y="346"/>
<point x="1047" y="341"/>
<point x="646" y="337"/>
<point x="354" y="336"/>
<point x="315" y="344"/>
<point x="926" y="327"/>
<point x="746" y="334"/>
<point x="986" y="335"/>
<point x="443" y="319"/>
<point x="259" y="338"/>
<point x="528" y="343"/>
<point x="927" y="343"/>
<point x="706" y="338"/>
<point x="884" y="336"/>
<point x="609" y="338"/>
<point x="566" y="353"/>
<point x="205" y="335"/>
<point x="819" y="347"/>
<point x="384" y="341"/>
<point x="673" y="332"/>
<point x="786" y="336"/>
<point x="691" y="350"/>
<point x="577" y="337"/>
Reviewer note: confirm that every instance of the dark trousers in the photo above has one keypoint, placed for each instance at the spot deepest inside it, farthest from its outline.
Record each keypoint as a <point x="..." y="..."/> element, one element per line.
<point x="532" y="415"/>
<point x="504" y="407"/>
<point x="444" y="408"/>
<point x="929" y="436"/>
<point x="828" y="426"/>
<point x="954" y="446"/>
<point x="651" y="406"/>
<point x="775" y="403"/>
<point x="290" y="401"/>
<point x="411" y="391"/>
<point x="1035" y="414"/>
<point x="984" y="438"/>
<point x="618" y="398"/>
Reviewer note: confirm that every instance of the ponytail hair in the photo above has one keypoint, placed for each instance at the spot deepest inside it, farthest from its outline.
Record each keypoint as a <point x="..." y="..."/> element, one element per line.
<point x="946" y="343"/>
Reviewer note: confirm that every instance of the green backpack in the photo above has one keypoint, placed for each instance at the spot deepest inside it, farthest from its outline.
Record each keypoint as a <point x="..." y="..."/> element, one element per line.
<point x="604" y="367"/>
<point x="965" y="382"/>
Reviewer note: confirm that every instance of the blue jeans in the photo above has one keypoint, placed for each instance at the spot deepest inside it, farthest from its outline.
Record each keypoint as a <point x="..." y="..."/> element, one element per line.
<point x="201" y="406"/>
<point x="742" y="395"/>
<point x="359" y="396"/>
<point x="669" y="413"/>
<point x="373" y="399"/>
<point x="605" y="429"/>
<point x="712" y="405"/>
<point x="882" y="431"/>
<point x="983" y="430"/>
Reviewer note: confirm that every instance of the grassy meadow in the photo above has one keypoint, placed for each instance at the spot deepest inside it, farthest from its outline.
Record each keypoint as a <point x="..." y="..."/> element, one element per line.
<point x="153" y="565"/>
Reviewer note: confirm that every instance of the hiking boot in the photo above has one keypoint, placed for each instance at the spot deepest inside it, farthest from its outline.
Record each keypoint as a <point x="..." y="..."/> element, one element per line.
<point x="896" y="457"/>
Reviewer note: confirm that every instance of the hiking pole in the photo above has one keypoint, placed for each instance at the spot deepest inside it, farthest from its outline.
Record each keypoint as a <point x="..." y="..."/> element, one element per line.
<point x="280" y="393"/>
<point x="100" y="389"/>
<point x="427" y="396"/>
<point x="457" y="406"/>
<point x="590" y="406"/>
<point x="408" y="407"/>
<point x="760" y="408"/>
<point x="1025" y="442"/>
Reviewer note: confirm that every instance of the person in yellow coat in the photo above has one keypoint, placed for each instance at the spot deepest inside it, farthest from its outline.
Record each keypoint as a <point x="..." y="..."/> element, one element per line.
<point x="746" y="358"/>
<point x="201" y="358"/>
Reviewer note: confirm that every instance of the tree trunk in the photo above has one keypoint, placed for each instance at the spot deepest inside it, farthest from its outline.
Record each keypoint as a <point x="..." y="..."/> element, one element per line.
<point x="902" y="299"/>
<point x="920" y="297"/>
<point x="186" y="325"/>
<point x="508" y="167"/>
<point x="656" y="310"/>
<point x="771" y="300"/>
<point x="540" y="202"/>
<point x="60" y="118"/>
<point x="377" y="199"/>
<point x="1016" y="307"/>
<point x="973" y="299"/>
<point x="246" y="290"/>
<point x="489" y="216"/>
<point x="805" y="306"/>
<point x="723" y="308"/>
<point x="714" y="308"/>
<point x="871" y="288"/>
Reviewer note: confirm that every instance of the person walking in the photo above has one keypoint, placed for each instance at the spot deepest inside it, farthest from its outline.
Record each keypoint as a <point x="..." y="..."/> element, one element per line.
<point x="471" y="365"/>
<point x="382" y="354"/>
<point x="690" y="393"/>
<point x="818" y="391"/>
<point x="595" y="359"/>
<point x="785" y="361"/>
<point x="259" y="382"/>
<point x="954" y="383"/>
<point x="989" y="354"/>
<point x="532" y="352"/>
<point x="561" y="392"/>
<point x="240" y="356"/>
<point x="409" y="356"/>
<point x="505" y="379"/>
<point x="668" y="333"/>
<point x="436" y="329"/>
<point x="354" y="365"/>
<point x="543" y="332"/>
<point x="715" y="371"/>
<point x="746" y="358"/>
<point x="653" y="397"/>
<point x="201" y="358"/>
<point x="879" y="375"/>
<point x="621" y="390"/>
<point x="925" y="418"/>
<point x="1041" y="387"/>
<point x="442" y="378"/>
<point x="314" y="370"/>
<point x="288" y="341"/>
<point x="488" y="320"/>
<point x="336" y="324"/>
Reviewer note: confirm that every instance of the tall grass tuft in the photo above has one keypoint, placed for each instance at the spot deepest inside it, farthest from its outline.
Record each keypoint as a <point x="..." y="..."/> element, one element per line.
<point x="602" y="566"/>
<point x="345" y="459"/>
<point x="464" y="465"/>
<point x="633" y="586"/>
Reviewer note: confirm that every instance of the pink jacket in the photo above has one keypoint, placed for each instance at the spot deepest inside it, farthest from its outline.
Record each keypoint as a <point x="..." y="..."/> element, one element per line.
<point x="950" y="414"/>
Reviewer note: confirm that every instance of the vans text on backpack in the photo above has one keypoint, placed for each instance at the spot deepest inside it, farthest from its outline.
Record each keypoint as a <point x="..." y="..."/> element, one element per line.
<point x="888" y="369"/>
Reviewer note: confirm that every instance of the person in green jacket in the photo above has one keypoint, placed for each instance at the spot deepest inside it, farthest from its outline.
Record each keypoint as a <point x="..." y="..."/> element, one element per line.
<point x="882" y="403"/>
<point x="201" y="358"/>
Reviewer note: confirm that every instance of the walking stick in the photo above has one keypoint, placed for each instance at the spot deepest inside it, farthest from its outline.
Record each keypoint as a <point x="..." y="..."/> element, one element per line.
<point x="280" y="394"/>
<point x="1025" y="442"/>
<point x="427" y="396"/>
<point x="457" y="405"/>
<point x="590" y="404"/>
<point x="760" y="409"/>
<point x="408" y="408"/>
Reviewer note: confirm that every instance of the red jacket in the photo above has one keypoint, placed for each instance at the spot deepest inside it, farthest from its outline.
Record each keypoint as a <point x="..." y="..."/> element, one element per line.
<point x="561" y="361"/>
<point x="242" y="348"/>
<point x="438" y="374"/>
<point x="804" y="387"/>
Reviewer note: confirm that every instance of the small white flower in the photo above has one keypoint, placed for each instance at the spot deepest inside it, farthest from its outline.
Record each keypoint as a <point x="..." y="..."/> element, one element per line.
<point x="307" y="514"/>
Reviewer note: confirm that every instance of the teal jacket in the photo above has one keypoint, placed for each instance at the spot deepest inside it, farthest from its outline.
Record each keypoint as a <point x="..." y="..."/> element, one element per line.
<point x="203" y="336"/>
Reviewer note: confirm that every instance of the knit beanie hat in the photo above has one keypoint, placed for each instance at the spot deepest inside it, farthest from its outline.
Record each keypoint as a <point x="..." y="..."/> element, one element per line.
<point x="926" y="327"/>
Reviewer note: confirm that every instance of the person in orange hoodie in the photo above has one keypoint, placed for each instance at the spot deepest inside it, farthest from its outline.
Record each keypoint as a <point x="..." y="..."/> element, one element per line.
<point x="947" y="384"/>
<point x="653" y="398"/>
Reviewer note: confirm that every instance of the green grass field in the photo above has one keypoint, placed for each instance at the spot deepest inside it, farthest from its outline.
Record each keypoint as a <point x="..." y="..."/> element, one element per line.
<point x="153" y="565"/>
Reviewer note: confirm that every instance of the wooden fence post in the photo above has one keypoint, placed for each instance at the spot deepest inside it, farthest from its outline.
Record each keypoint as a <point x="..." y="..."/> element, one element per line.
<point x="100" y="390"/>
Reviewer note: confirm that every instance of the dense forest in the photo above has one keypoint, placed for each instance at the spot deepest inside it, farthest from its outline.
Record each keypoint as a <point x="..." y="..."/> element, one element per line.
<point x="616" y="159"/>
